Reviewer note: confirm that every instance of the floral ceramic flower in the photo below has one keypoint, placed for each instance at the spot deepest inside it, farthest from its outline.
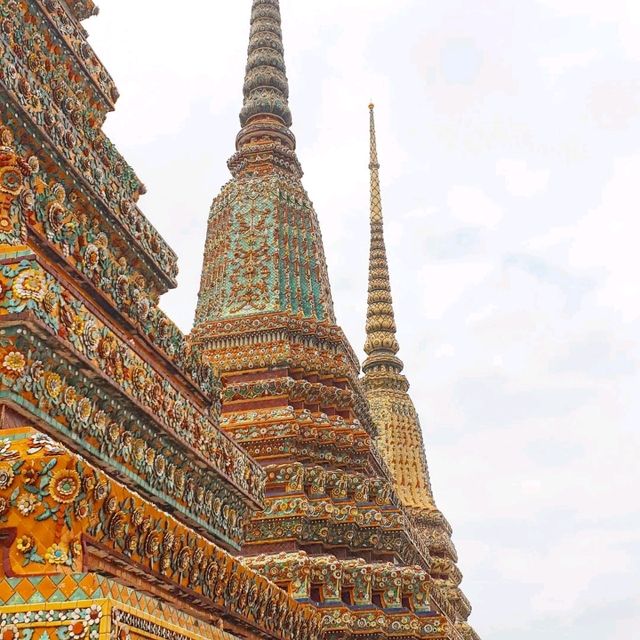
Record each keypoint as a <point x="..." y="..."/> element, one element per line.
<point x="9" y="632"/>
<point x="139" y="448"/>
<point x="91" y="338"/>
<point x="107" y="346"/>
<point x="100" y="491"/>
<point x="122" y="288"/>
<point x="184" y="559"/>
<point x="76" y="549"/>
<point x="180" y="480"/>
<point x="30" y="472"/>
<point x="64" y="486"/>
<point x="165" y="563"/>
<point x="152" y="544"/>
<point x="139" y="378"/>
<point x="50" y="300"/>
<point x="93" y="614"/>
<point x="70" y="396"/>
<point x="6" y="475"/>
<point x="56" y="554"/>
<point x="4" y="506"/>
<point x="168" y="540"/>
<point x="136" y="517"/>
<point x="116" y="526"/>
<point x="113" y="432"/>
<point x="41" y="441"/>
<point x="160" y="465"/>
<point x="131" y="544"/>
<point x="56" y="214"/>
<point x="25" y="543"/>
<point x="84" y="410"/>
<point x="29" y="285"/>
<point x="13" y="363"/>
<point x="100" y="421"/>
<point x="6" y="224"/>
<point x="88" y="483"/>
<point x="81" y="509"/>
<point x="146" y="524"/>
<point x="77" y="629"/>
<point x="77" y="325"/>
<point x="143" y="306"/>
<point x="26" y="504"/>
<point x="91" y="257"/>
<point x="127" y="440"/>
<point x="53" y="385"/>
<point x="36" y="370"/>
<point x="111" y="505"/>
<point x="5" y="450"/>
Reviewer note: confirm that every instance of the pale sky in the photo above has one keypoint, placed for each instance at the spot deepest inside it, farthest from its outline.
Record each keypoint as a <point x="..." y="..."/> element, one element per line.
<point x="509" y="138"/>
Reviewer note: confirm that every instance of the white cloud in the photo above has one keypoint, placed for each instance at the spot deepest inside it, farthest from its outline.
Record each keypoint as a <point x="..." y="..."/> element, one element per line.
<point x="605" y="240"/>
<point x="473" y="206"/>
<point x="520" y="180"/>
<point x="561" y="63"/>
<point x="442" y="285"/>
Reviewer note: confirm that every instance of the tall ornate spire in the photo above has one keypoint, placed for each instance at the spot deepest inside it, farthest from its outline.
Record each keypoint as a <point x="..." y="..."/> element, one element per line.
<point x="381" y="346"/>
<point x="266" y="88"/>
<point x="399" y="433"/>
<point x="264" y="252"/>
<point x="265" y="113"/>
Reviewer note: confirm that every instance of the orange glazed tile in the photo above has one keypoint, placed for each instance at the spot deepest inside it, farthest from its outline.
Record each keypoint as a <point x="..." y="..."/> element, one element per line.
<point x="26" y="589"/>
<point x="5" y="591"/>
<point x="68" y="586"/>
<point x="46" y="587"/>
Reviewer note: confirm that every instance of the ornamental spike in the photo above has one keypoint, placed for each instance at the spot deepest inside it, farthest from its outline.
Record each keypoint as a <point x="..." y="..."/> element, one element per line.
<point x="266" y="87"/>
<point x="381" y="345"/>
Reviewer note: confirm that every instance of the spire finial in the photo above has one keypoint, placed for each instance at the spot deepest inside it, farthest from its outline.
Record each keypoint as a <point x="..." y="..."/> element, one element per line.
<point x="381" y="346"/>
<point x="266" y="88"/>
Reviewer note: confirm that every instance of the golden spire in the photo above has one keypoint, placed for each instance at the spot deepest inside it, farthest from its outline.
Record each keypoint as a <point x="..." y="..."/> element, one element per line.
<point x="400" y="436"/>
<point x="381" y="345"/>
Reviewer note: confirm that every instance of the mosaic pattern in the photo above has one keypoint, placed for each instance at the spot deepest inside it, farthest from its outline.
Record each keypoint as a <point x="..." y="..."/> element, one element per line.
<point x="65" y="92"/>
<point x="348" y="586"/>
<point x="63" y="219"/>
<point x="261" y="253"/>
<point x="65" y="512"/>
<point x="71" y="407"/>
<point x="86" y="607"/>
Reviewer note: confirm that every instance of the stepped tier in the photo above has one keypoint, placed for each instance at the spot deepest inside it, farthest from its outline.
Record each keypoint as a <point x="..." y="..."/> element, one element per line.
<point x="100" y="527"/>
<point x="60" y="94"/>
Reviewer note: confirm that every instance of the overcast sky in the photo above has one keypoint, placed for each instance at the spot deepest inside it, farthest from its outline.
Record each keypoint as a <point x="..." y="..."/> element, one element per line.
<point x="509" y="138"/>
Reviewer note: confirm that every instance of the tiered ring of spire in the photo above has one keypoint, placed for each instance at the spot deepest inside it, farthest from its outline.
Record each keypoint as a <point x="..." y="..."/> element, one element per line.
<point x="381" y="345"/>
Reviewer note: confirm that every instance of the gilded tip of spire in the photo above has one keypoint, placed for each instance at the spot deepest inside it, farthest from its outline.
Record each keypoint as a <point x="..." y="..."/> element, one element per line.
<point x="371" y="106"/>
